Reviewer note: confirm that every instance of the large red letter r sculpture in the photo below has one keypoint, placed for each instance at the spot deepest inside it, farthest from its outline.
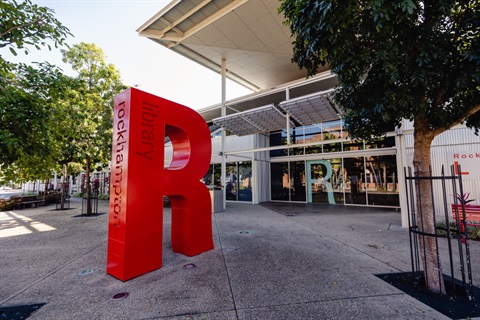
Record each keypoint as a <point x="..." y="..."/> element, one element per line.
<point x="139" y="181"/>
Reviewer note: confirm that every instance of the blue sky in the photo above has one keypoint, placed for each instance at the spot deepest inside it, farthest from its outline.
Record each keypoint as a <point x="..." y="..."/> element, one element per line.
<point x="112" y="24"/>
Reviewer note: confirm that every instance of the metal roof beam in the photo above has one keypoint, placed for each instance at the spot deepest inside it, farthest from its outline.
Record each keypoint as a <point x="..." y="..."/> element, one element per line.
<point x="184" y="17"/>
<point x="206" y="22"/>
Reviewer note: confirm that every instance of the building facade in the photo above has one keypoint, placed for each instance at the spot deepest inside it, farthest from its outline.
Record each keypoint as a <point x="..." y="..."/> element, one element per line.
<point x="286" y="140"/>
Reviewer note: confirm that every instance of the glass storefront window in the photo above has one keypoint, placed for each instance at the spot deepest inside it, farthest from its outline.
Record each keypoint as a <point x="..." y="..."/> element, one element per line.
<point x="332" y="131"/>
<point x="244" y="181"/>
<point x="322" y="132"/>
<point x="296" y="137"/>
<point x="231" y="182"/>
<point x="354" y="173"/>
<point x="368" y="180"/>
<point x="385" y="142"/>
<point x="278" y="139"/>
<point x="280" y="183"/>
<point x="353" y="145"/>
<point x="297" y="181"/>
<point x="214" y="175"/>
<point x="353" y="180"/>
<point x="239" y="181"/>
<point x="381" y="180"/>
<point x="313" y="133"/>
<point x="325" y="181"/>
<point x="208" y="177"/>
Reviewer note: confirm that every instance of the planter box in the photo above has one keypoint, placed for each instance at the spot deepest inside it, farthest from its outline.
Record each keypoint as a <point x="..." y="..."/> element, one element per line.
<point x="217" y="200"/>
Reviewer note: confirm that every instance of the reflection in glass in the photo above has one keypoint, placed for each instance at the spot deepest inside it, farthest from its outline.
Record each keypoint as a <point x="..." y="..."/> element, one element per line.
<point x="245" y="181"/>
<point x="331" y="131"/>
<point x="208" y="177"/>
<point x="381" y="180"/>
<point x="278" y="139"/>
<point x="231" y="182"/>
<point x="354" y="171"/>
<point x="213" y="177"/>
<point x="217" y="174"/>
<point x="297" y="181"/>
<point x="313" y="133"/>
<point x="384" y="142"/>
<point x="353" y="145"/>
<point x="280" y="181"/>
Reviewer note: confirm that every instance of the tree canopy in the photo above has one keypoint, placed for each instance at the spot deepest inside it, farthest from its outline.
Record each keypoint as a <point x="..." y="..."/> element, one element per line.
<point x="29" y="118"/>
<point x="28" y="93"/>
<point x="24" y="24"/>
<point x="48" y="119"/>
<point x="395" y="59"/>
<point x="91" y="106"/>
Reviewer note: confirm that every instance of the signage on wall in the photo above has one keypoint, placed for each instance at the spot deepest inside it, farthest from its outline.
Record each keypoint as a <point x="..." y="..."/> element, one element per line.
<point x="466" y="161"/>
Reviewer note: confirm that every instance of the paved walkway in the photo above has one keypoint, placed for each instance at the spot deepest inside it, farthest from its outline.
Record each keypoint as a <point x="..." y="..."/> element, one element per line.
<point x="268" y="263"/>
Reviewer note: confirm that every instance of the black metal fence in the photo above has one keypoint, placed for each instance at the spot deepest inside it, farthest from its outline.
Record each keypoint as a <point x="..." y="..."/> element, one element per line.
<point x="450" y="234"/>
<point x="93" y="204"/>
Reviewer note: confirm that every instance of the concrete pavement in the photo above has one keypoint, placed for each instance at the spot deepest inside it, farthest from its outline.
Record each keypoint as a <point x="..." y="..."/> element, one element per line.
<point x="268" y="263"/>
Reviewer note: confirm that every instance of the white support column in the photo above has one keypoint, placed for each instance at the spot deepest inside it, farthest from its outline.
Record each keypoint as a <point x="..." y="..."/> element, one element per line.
<point x="224" y="113"/>
<point x="288" y="129"/>
<point x="287" y="97"/>
<point x="255" y="185"/>
<point x="401" y="164"/>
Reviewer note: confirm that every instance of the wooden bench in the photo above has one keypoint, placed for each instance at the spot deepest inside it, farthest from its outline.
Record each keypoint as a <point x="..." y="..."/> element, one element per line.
<point x="24" y="201"/>
<point x="472" y="215"/>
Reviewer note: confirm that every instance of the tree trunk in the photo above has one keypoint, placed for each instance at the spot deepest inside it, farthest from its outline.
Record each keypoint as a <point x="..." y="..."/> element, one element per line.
<point x="62" y="196"/>
<point x="88" y="188"/>
<point x="45" y="189"/>
<point x="423" y="137"/>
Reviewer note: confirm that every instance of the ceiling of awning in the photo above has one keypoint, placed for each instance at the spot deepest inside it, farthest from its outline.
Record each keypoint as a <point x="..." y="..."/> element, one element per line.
<point x="314" y="108"/>
<point x="260" y="120"/>
<point x="249" y="34"/>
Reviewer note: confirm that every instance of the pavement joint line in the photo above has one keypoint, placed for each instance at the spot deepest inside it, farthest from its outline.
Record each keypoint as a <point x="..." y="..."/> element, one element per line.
<point x="187" y="314"/>
<point x="344" y="243"/>
<point x="226" y="267"/>
<point x="50" y="274"/>
<point x="326" y="300"/>
<point x="278" y="305"/>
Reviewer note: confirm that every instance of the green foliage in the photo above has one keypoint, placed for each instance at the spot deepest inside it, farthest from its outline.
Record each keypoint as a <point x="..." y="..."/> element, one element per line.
<point x="78" y="194"/>
<point x="30" y="119"/>
<point x="23" y="24"/>
<point x="90" y="105"/>
<point x="29" y="93"/>
<point x="104" y="196"/>
<point x="91" y="108"/>
<point x="101" y="196"/>
<point x="473" y="232"/>
<point x="395" y="59"/>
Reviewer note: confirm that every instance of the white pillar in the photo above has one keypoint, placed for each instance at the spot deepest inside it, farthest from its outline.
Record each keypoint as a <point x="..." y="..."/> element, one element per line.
<point x="224" y="113"/>
<point x="288" y="129"/>
<point x="401" y="164"/>
<point x="287" y="97"/>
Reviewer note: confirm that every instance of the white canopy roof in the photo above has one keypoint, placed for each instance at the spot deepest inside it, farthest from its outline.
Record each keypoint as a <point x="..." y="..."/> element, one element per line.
<point x="249" y="34"/>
